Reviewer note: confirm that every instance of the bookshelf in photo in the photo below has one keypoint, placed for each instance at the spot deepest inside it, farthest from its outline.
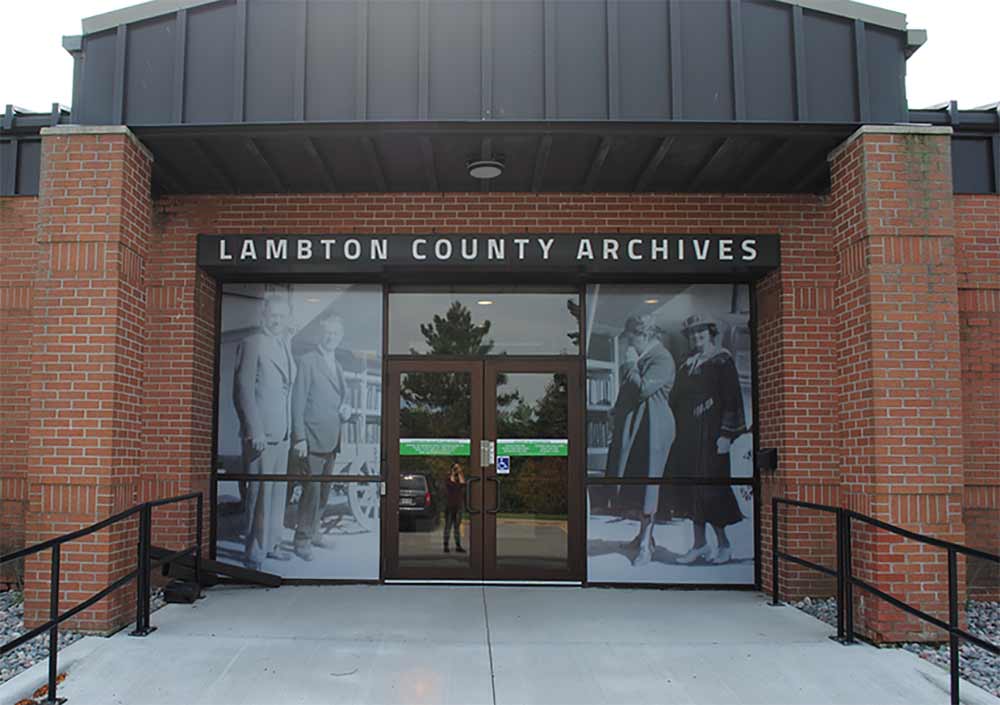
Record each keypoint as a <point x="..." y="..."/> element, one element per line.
<point x="602" y="389"/>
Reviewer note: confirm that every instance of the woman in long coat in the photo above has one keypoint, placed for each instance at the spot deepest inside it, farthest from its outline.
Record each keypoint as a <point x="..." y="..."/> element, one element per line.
<point x="708" y="403"/>
<point x="643" y="428"/>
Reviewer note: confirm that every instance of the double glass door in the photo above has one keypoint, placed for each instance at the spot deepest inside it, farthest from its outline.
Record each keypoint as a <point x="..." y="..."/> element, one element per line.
<point x="481" y="461"/>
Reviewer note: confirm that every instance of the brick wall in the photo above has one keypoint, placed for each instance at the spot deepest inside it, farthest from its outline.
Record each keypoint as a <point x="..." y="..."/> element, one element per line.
<point x="977" y="235"/>
<point x="858" y="380"/>
<point x="796" y="356"/>
<point x="18" y="223"/>
<point x="88" y="345"/>
<point x="900" y="370"/>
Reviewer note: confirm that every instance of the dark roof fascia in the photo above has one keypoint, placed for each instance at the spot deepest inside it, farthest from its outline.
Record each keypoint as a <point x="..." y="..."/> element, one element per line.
<point x="850" y="9"/>
<point x="984" y="120"/>
<point x="20" y="123"/>
<point x="502" y="127"/>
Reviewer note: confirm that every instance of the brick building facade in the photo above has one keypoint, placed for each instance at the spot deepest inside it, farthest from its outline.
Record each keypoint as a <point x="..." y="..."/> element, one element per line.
<point x="876" y="347"/>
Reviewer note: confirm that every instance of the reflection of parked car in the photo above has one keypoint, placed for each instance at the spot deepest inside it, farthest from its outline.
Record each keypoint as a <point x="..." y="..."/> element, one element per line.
<point x="417" y="498"/>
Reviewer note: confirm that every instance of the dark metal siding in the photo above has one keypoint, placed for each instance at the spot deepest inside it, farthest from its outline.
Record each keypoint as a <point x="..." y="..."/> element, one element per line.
<point x="518" y="61"/>
<point x="768" y="67"/>
<point x="711" y="60"/>
<point x="29" y="160"/>
<point x="332" y="38"/>
<point x="98" y="79"/>
<point x="393" y="59"/>
<point x="706" y="60"/>
<point x="886" y="71"/>
<point x="210" y="65"/>
<point x="149" y="77"/>
<point x="643" y="74"/>
<point x="273" y="43"/>
<point x="973" y="168"/>
<point x="454" y="63"/>
<point x="581" y="60"/>
<point x="831" y="92"/>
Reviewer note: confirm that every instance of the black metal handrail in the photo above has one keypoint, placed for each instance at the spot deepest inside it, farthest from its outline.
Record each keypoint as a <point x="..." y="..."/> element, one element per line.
<point x="847" y="581"/>
<point x="142" y="572"/>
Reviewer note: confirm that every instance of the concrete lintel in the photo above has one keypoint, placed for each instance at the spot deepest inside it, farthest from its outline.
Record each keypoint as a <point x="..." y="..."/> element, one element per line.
<point x="68" y="130"/>
<point x="898" y="129"/>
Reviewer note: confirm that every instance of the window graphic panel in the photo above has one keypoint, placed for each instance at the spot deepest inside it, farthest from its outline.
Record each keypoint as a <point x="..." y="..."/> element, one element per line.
<point x="318" y="530"/>
<point x="695" y="534"/>
<point x="669" y="390"/>
<point x="300" y="396"/>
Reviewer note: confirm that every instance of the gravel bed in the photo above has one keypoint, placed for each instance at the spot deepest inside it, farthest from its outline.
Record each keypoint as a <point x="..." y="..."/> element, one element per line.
<point x="975" y="664"/>
<point x="11" y="626"/>
<point x="36" y="650"/>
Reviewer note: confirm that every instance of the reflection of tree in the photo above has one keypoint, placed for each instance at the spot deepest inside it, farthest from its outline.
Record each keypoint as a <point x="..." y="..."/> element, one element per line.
<point x="573" y="306"/>
<point x="539" y="482"/>
<point x="436" y="404"/>
<point x="456" y="334"/>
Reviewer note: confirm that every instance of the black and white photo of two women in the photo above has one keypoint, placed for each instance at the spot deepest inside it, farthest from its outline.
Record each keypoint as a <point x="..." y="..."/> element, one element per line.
<point x="669" y="429"/>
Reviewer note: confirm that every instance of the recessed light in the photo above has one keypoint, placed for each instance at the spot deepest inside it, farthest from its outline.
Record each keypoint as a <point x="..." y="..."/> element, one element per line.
<point x="485" y="169"/>
<point x="652" y="301"/>
<point x="485" y="302"/>
<point x="312" y="300"/>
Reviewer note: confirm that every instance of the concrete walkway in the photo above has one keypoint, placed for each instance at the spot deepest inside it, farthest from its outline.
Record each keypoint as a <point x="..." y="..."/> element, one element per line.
<point x="496" y="646"/>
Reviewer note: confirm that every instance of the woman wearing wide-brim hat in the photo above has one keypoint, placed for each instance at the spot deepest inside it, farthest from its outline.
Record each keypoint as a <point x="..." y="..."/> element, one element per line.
<point x="707" y="402"/>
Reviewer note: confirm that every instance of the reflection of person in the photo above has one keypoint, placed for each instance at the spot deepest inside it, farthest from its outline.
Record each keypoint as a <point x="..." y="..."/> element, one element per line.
<point x="261" y="392"/>
<point x="318" y="410"/>
<point x="453" y="488"/>
<point x="708" y="403"/>
<point x="643" y="425"/>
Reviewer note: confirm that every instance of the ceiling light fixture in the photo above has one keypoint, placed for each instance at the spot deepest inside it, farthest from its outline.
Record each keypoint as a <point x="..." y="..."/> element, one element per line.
<point x="485" y="169"/>
<point x="485" y="302"/>
<point x="652" y="301"/>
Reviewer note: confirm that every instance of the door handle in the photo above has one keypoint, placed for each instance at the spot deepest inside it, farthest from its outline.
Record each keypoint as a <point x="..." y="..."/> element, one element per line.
<point x="468" y="496"/>
<point x="486" y="454"/>
<point x="496" y="507"/>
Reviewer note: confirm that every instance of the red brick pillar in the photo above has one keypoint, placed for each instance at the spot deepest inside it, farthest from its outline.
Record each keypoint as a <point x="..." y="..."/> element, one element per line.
<point x="899" y="381"/>
<point x="17" y="235"/>
<point x="87" y="363"/>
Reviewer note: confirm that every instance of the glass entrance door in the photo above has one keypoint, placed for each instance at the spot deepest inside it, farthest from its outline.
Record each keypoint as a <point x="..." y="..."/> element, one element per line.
<point x="481" y="482"/>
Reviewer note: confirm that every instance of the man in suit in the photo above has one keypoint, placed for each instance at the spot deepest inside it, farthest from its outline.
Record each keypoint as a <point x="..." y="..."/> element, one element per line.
<point x="319" y="408"/>
<point x="262" y="395"/>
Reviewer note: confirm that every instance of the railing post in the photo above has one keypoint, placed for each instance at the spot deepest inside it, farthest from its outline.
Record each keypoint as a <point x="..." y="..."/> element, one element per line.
<point x="775" y="592"/>
<point x="142" y="591"/>
<point x="198" y="538"/>
<point x="953" y="622"/>
<point x="848" y="581"/>
<point x="50" y="698"/>
<point x="840" y="574"/>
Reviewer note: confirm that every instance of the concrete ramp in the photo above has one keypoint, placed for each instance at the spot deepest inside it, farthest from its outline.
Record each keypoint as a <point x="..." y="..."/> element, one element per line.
<point x="381" y="645"/>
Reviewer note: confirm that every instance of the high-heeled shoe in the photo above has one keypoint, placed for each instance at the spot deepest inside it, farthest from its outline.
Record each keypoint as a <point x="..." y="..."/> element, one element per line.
<point x="694" y="554"/>
<point x="646" y="543"/>
<point x="723" y="555"/>
<point x="636" y="542"/>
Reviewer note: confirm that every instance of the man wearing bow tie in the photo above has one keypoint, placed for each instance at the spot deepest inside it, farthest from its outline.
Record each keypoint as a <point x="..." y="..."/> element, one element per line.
<point x="262" y="395"/>
<point x="319" y="408"/>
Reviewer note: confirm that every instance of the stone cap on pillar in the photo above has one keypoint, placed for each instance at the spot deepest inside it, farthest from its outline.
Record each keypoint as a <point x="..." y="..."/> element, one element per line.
<point x="73" y="130"/>
<point x="900" y="129"/>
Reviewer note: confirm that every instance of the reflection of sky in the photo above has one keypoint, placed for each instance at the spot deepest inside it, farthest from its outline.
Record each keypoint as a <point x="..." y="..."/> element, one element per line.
<point x="521" y="323"/>
<point x="359" y="306"/>
<point x="530" y="385"/>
